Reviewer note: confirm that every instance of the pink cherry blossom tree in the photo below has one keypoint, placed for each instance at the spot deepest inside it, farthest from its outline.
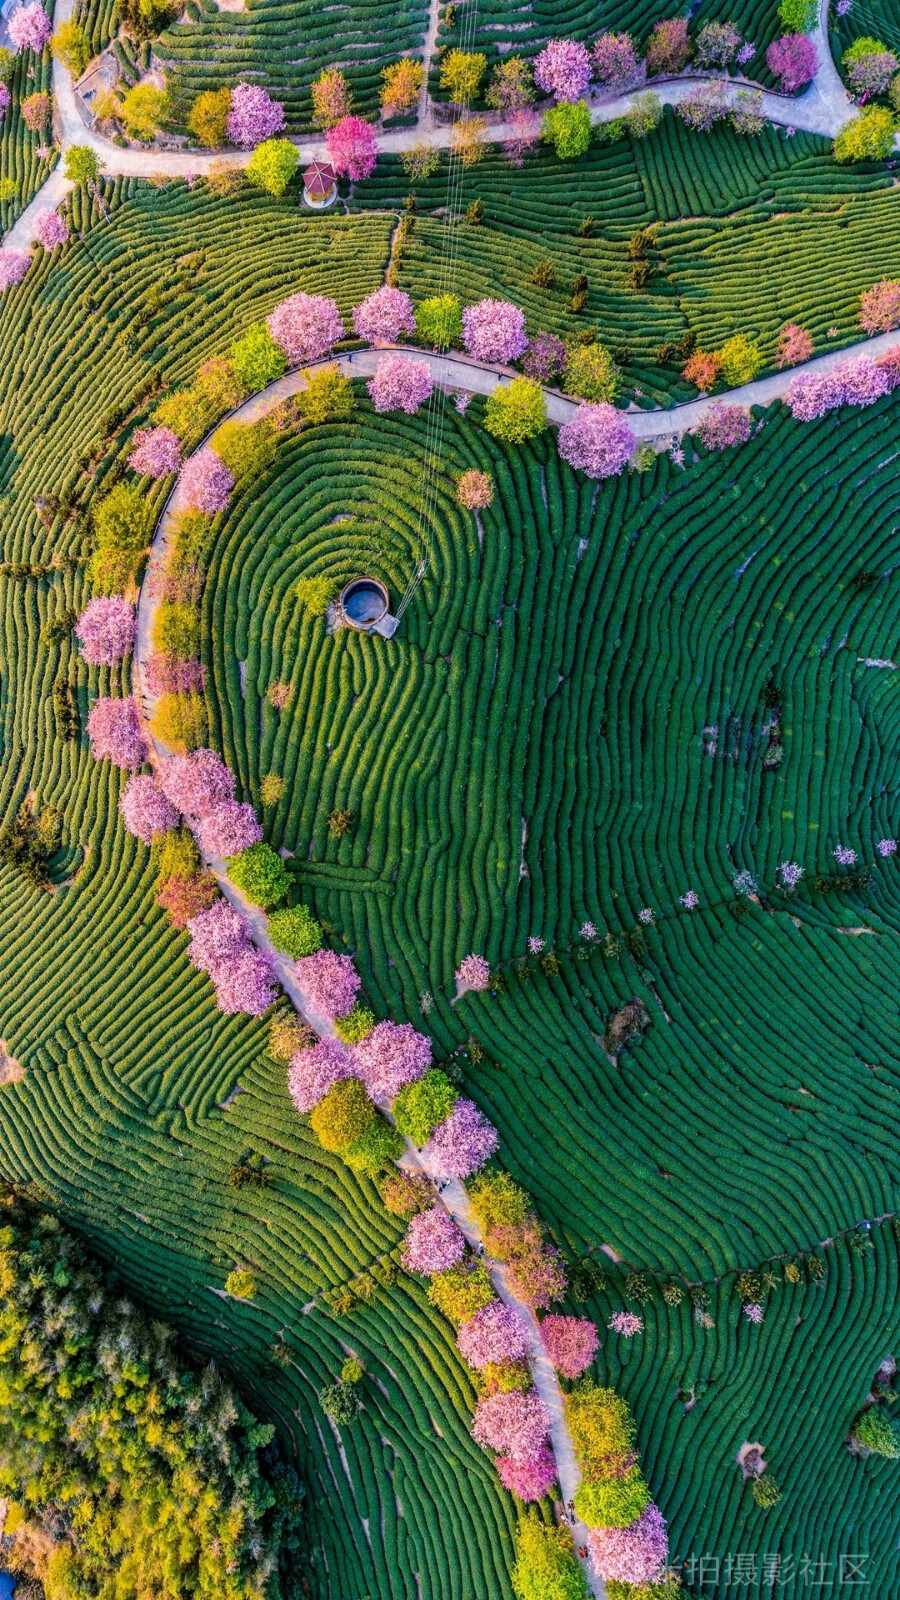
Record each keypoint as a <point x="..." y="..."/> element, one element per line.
<point x="545" y="358"/>
<point x="29" y="27"/>
<point x="254" y="116"/>
<point x="114" y="729"/>
<point x="563" y="69"/>
<point x="313" y="1072"/>
<point x="306" y="327"/>
<point x="106" y="630"/>
<point x="205" y="482"/>
<point x="433" y="1243"/>
<point x="513" y="1424"/>
<point x="616" y="62"/>
<point x="494" y="330"/>
<point x="530" y="1477"/>
<point x="384" y="316"/>
<point x="462" y="1143"/>
<point x="495" y="1333"/>
<point x="393" y="1055"/>
<point x="155" y="452"/>
<point x="197" y="783"/>
<point x="246" y="983"/>
<point x="13" y="266"/>
<point x="473" y="972"/>
<point x="793" y="59"/>
<point x="724" y="426"/>
<point x="636" y="1554"/>
<point x="50" y="229"/>
<point x="880" y="306"/>
<point x="330" y="983"/>
<point x="145" y="810"/>
<point x="401" y="384"/>
<point x="597" y="441"/>
<point x="570" y="1342"/>
<point x="217" y="934"/>
<point x="475" y="491"/>
<point x="227" y="829"/>
<point x="793" y="346"/>
<point x="352" y="148"/>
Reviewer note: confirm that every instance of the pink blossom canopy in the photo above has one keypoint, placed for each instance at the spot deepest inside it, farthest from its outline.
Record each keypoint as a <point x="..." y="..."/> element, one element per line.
<point x="597" y="441"/>
<point x="724" y="426"/>
<point x="495" y="1333"/>
<point x="636" y="1554"/>
<point x="462" y="1143"/>
<point x="879" y="307"/>
<point x="570" y="1342"/>
<point x="246" y="982"/>
<point x="563" y="69"/>
<point x="616" y="61"/>
<point x="227" y="829"/>
<point x="856" y="383"/>
<point x="390" y="1057"/>
<point x="217" y="935"/>
<point x="384" y="315"/>
<point x="5" y="100"/>
<point x="313" y="1072"/>
<point x="173" y="675"/>
<point x="206" y="482"/>
<point x="253" y="117"/>
<point x="792" y="58"/>
<point x="50" y="229"/>
<point x="352" y="148"/>
<point x="13" y="266"/>
<point x="145" y="810"/>
<point x="29" y="27"/>
<point x="401" y="384"/>
<point x="433" y="1242"/>
<point x="155" y="452"/>
<point x="475" y="491"/>
<point x="106" y="630"/>
<point x="306" y="327"/>
<point x="494" y="330"/>
<point x="513" y="1424"/>
<point x="114" y="729"/>
<point x="196" y="783"/>
<point x="473" y="972"/>
<point x="531" y="1477"/>
<point x="330" y="983"/>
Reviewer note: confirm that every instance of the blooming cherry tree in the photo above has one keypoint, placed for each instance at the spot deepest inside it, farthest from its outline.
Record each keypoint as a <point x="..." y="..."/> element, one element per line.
<point x="616" y="61"/>
<point x="205" y="482"/>
<point x="461" y="1144"/>
<point x="197" y="783"/>
<point x="155" y="452"/>
<point x="792" y="59"/>
<point x="494" y="330"/>
<point x="50" y="229"/>
<point x="570" y="1342"/>
<point x="227" y="829"/>
<point x="793" y="346"/>
<point x="597" y="441"/>
<point x="433" y="1243"/>
<point x="29" y="27"/>
<point x="529" y="1477"/>
<point x="145" y="810"/>
<point x="513" y="1424"/>
<point x="473" y="972"/>
<point x="306" y="327"/>
<point x="330" y="983"/>
<point x="401" y="384"/>
<point x="563" y="69"/>
<point x="393" y="1055"/>
<point x="636" y="1554"/>
<point x="475" y="491"/>
<point x="880" y="306"/>
<point x="106" y="630"/>
<point x="495" y="1333"/>
<point x="384" y="316"/>
<point x="114" y="730"/>
<point x="254" y="116"/>
<point x="13" y="266"/>
<point x="352" y="148"/>
<point x="313" y="1072"/>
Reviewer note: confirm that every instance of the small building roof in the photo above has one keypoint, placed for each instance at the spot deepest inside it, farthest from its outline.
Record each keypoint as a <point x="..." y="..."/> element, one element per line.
<point x="319" y="178"/>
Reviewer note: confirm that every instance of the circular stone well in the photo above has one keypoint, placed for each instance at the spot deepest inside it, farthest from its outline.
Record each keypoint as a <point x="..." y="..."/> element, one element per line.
<point x="363" y="603"/>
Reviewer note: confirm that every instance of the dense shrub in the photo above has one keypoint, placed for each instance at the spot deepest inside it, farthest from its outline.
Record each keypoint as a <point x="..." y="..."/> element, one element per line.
<point x="546" y="1565"/>
<point x="260" y="874"/>
<point x="869" y="137"/>
<point x="421" y="1106"/>
<point x="133" y="1464"/>
<point x="328" y="397"/>
<point x="295" y="931"/>
<point x="568" y="128"/>
<point x="342" y="1116"/>
<point x="615" y="1502"/>
<point x="256" y="358"/>
<point x="272" y="165"/>
<point x="516" y="411"/>
<point x="461" y="1291"/>
<point x="439" y="321"/>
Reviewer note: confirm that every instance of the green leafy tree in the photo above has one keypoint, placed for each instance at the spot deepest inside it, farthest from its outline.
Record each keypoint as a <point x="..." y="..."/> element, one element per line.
<point x="343" y="1116"/>
<point x="247" y="449"/>
<point x="741" y="360"/>
<point x="766" y="1492"/>
<point x="208" y="118"/>
<point x="176" y="630"/>
<point x="546" y="1565"/>
<point x="327" y="397"/>
<point x="142" y="110"/>
<point x="869" y="137"/>
<point x="568" y="128"/>
<point x="590" y="373"/>
<point x="82" y="165"/>
<point x="421" y="1106"/>
<point x="643" y="115"/>
<point x="439" y="321"/>
<point x="257" y="359"/>
<point x="797" y="16"/>
<point x="241" y="1284"/>
<point x="356" y="1025"/>
<point x="462" y="72"/>
<point x="516" y="411"/>
<point x="295" y="931"/>
<point x="316" y="594"/>
<point x="123" y="521"/>
<point x="260" y="874"/>
<point x="272" y="165"/>
<point x="135" y="1467"/>
<point x="876" y="1432"/>
<point x="613" y="1502"/>
<point x="7" y="64"/>
<point x="340" y="1402"/>
<point x="179" y="722"/>
<point x="377" y="1148"/>
<point x="70" y="46"/>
